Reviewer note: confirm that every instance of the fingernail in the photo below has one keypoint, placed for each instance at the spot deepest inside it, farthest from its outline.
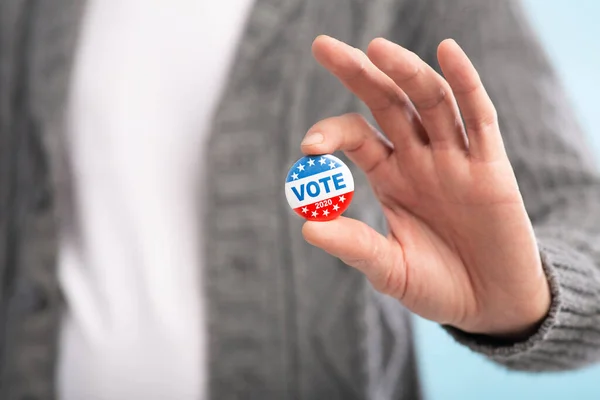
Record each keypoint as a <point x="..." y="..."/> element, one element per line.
<point x="312" y="138"/>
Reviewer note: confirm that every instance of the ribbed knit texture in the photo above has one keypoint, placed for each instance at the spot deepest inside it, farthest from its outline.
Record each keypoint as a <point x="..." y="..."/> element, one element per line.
<point x="286" y="320"/>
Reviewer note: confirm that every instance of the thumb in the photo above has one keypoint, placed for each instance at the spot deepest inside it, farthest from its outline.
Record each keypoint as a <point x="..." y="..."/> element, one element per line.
<point x="361" y="247"/>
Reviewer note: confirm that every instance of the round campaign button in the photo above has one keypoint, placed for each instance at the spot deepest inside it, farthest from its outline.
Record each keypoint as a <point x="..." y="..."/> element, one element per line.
<point x="319" y="188"/>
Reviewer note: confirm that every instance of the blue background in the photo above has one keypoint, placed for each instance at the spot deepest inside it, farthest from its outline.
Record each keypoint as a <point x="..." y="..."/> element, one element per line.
<point x="570" y="32"/>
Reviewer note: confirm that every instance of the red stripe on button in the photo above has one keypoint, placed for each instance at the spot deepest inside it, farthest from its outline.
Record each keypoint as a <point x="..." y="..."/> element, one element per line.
<point x="327" y="209"/>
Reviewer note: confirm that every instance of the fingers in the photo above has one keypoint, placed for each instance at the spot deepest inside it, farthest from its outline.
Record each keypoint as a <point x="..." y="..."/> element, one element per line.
<point x="352" y="134"/>
<point x="361" y="247"/>
<point x="479" y="113"/>
<point x="429" y="92"/>
<point x="411" y="102"/>
<point x="390" y="106"/>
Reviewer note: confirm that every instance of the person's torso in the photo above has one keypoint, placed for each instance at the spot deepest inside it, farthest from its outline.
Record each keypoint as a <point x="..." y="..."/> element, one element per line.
<point x="284" y="319"/>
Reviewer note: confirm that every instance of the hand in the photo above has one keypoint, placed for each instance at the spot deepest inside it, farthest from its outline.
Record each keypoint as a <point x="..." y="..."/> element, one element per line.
<point x="461" y="249"/>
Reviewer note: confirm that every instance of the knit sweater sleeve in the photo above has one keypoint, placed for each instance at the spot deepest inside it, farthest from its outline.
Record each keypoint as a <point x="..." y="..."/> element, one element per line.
<point x="559" y="184"/>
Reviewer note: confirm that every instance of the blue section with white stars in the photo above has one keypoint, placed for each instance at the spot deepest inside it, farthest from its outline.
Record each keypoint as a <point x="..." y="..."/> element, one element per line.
<point x="311" y="165"/>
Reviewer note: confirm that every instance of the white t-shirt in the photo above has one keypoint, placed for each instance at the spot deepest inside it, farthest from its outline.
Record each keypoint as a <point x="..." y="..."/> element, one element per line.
<point x="146" y="82"/>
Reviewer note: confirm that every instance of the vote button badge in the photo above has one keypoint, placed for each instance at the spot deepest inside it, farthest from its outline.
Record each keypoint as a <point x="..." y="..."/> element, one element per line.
<point x="319" y="188"/>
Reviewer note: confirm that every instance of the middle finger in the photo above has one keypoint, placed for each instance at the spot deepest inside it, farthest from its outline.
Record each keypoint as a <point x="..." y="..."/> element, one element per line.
<point x="428" y="91"/>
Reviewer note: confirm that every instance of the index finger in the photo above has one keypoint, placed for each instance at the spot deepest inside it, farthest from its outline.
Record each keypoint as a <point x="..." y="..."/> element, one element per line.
<point x="390" y="106"/>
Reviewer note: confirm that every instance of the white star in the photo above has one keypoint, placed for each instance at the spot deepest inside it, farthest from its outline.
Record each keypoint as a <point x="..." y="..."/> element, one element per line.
<point x="322" y="160"/>
<point x="311" y="162"/>
<point x="342" y="199"/>
<point x="314" y="214"/>
<point x="295" y="176"/>
<point x="304" y="210"/>
<point x="332" y="165"/>
<point x="300" y="167"/>
<point x="336" y="207"/>
<point x="325" y="213"/>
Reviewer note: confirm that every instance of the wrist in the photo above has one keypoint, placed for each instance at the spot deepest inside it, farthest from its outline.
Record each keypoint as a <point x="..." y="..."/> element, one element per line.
<point x="528" y="316"/>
